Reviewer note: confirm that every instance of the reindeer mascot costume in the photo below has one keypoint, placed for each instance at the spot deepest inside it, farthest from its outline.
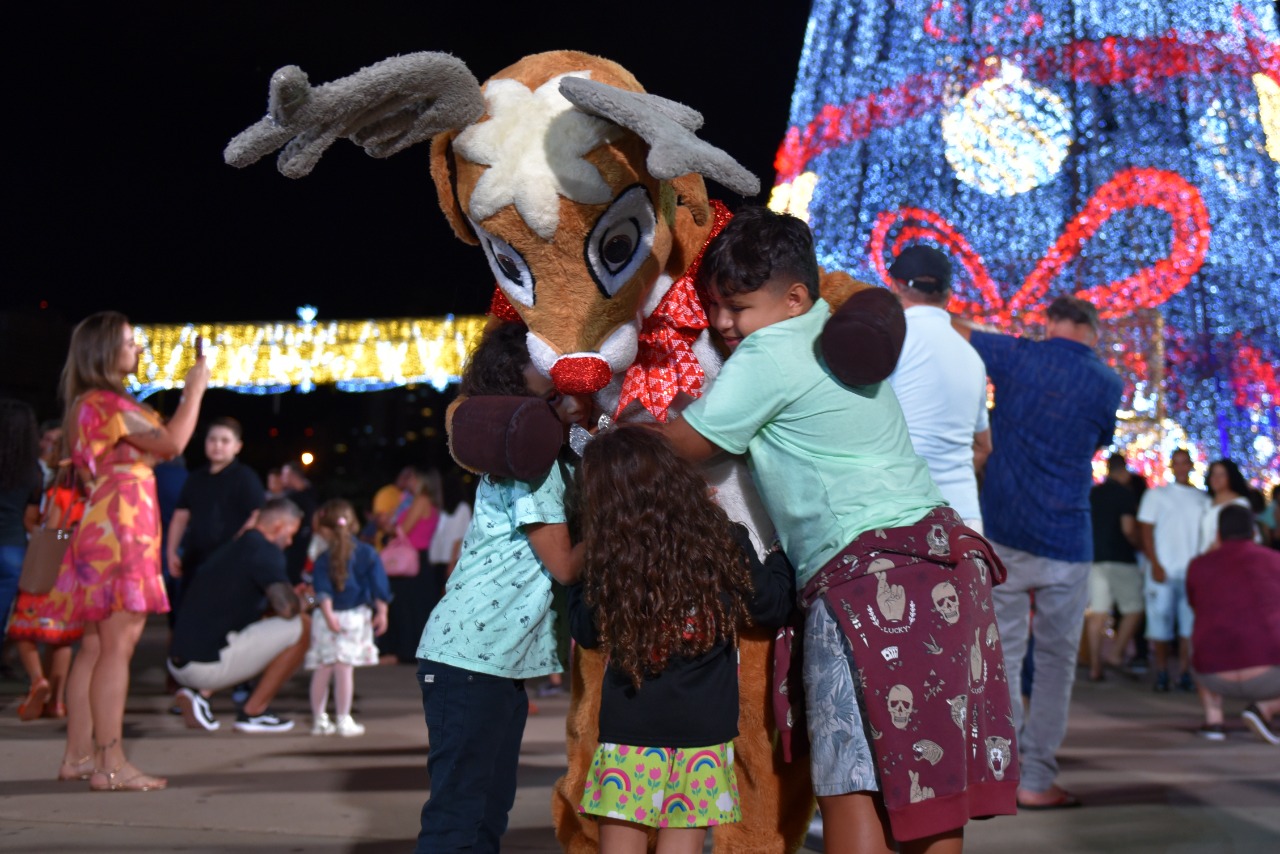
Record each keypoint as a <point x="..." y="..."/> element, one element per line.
<point x="587" y="197"/>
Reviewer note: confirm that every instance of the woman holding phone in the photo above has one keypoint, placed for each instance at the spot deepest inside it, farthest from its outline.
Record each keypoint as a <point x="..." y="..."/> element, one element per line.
<point x="111" y="574"/>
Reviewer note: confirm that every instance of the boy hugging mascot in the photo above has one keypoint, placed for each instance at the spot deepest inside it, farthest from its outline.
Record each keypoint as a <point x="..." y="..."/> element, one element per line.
<point x="587" y="196"/>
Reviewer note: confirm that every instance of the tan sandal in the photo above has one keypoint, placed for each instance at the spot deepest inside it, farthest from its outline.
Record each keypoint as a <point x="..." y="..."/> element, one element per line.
<point x="79" y="769"/>
<point x="120" y="781"/>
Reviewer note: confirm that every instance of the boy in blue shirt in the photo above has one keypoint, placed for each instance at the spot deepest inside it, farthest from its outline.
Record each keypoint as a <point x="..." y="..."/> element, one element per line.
<point x="895" y="588"/>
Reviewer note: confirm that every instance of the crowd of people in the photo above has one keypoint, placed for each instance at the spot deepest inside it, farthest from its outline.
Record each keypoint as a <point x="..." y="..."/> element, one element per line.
<point x="236" y="565"/>
<point x="909" y="492"/>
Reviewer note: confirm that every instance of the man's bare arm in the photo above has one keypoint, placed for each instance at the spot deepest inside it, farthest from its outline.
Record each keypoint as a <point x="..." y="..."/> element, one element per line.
<point x="177" y="527"/>
<point x="1129" y="527"/>
<point x="1148" y="533"/>
<point x="283" y="600"/>
<point x="981" y="450"/>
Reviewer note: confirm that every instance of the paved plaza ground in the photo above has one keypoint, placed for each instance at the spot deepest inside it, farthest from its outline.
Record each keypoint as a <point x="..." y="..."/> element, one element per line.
<point x="1148" y="782"/>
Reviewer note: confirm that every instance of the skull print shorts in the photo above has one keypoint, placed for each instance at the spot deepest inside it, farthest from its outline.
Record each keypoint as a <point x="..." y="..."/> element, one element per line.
<point x="840" y="753"/>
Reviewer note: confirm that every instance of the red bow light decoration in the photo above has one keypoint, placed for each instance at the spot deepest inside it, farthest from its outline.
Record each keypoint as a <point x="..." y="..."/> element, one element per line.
<point x="1147" y="288"/>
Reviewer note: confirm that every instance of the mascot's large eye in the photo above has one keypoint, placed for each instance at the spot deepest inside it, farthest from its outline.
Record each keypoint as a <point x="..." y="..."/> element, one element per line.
<point x="621" y="240"/>
<point x="513" y="274"/>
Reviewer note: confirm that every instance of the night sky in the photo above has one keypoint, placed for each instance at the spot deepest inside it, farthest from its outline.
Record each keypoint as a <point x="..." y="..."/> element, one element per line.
<point x="120" y="198"/>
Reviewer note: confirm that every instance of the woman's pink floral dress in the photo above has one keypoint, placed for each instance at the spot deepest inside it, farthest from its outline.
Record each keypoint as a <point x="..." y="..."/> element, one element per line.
<point x="115" y="553"/>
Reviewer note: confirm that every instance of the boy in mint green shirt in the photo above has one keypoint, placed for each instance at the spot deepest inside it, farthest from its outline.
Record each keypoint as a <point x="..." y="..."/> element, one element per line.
<point x="896" y="589"/>
<point x="830" y="461"/>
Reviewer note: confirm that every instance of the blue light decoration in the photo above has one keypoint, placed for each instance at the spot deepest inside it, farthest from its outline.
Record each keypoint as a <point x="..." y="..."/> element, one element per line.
<point x="1124" y="151"/>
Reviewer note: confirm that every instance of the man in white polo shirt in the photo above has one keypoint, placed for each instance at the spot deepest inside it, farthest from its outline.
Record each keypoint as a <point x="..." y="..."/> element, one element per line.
<point x="1169" y="521"/>
<point x="941" y="382"/>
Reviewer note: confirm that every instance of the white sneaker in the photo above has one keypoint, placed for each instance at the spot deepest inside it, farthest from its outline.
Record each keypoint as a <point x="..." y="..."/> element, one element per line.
<point x="195" y="710"/>
<point x="323" y="725"/>
<point x="347" y="727"/>
<point x="1263" y="727"/>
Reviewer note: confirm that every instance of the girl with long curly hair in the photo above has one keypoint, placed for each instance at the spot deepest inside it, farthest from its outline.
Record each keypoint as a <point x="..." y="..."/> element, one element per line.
<point x="667" y="580"/>
<point x="353" y="592"/>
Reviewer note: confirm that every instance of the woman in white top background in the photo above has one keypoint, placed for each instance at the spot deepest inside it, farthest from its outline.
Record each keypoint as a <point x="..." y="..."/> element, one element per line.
<point x="1226" y="485"/>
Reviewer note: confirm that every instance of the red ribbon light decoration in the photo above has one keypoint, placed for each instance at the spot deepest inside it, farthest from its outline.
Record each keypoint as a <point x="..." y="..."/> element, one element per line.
<point x="1254" y="377"/>
<point x="1130" y="188"/>
<point x="1111" y="61"/>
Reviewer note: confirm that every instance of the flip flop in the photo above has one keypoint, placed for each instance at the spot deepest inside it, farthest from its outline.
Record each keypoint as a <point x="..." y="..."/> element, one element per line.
<point x="1064" y="801"/>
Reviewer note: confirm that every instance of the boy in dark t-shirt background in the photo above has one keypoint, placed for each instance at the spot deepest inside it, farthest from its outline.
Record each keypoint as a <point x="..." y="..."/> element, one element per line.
<point x="218" y="501"/>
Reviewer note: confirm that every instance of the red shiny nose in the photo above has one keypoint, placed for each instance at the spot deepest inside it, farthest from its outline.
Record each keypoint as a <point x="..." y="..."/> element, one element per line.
<point x="581" y="374"/>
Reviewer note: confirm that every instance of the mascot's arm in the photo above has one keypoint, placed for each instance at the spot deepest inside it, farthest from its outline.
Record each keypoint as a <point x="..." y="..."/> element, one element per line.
<point x="773" y="581"/>
<point x="505" y="437"/>
<point x="863" y="337"/>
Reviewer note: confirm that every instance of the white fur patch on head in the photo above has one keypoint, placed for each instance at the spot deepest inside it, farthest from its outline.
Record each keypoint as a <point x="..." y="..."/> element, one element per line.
<point x="534" y="144"/>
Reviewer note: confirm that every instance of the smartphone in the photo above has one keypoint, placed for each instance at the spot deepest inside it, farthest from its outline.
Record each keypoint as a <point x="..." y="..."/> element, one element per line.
<point x="199" y="346"/>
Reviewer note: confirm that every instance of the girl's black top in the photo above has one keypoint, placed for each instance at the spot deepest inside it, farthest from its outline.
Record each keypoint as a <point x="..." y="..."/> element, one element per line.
<point x="693" y="702"/>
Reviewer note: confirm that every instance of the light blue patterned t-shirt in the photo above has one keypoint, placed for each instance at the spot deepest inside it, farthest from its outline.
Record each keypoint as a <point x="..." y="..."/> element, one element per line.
<point x="496" y="615"/>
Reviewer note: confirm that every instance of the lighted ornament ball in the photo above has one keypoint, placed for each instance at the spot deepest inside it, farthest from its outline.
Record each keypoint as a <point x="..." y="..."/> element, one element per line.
<point x="1269" y="112"/>
<point x="1007" y="136"/>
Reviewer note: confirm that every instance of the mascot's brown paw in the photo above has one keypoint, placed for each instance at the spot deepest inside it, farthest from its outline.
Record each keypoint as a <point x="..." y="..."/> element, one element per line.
<point x="506" y="437"/>
<point x="863" y="337"/>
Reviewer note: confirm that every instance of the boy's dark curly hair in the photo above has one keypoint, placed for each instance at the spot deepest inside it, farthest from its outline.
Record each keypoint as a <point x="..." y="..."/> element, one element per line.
<point x="758" y="245"/>
<point x="663" y="572"/>
<point x="496" y="366"/>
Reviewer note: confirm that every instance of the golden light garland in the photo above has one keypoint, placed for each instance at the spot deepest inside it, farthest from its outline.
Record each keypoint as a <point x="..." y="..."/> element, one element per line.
<point x="267" y="358"/>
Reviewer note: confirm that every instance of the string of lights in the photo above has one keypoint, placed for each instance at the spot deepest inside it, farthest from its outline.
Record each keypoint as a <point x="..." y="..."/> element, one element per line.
<point x="1127" y="152"/>
<point x="269" y="358"/>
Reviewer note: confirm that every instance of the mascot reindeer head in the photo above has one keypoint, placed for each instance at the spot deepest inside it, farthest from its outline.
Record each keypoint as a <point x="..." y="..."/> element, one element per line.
<point x="585" y="193"/>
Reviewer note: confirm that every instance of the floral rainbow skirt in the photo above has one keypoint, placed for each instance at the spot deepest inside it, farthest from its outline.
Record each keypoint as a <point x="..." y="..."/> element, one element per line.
<point x="663" y="786"/>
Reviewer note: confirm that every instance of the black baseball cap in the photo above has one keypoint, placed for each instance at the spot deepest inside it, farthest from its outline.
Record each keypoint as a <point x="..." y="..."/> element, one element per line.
<point x="919" y="261"/>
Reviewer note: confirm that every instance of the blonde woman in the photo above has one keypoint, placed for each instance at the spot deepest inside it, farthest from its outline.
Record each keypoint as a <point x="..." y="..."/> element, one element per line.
<point x="114" y="580"/>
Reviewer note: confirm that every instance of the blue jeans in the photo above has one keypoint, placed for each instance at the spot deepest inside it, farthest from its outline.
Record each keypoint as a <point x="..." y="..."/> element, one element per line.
<point x="10" y="571"/>
<point x="475" y="723"/>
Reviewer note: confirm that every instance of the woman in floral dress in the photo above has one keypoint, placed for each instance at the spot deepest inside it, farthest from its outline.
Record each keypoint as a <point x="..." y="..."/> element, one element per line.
<point x="111" y="575"/>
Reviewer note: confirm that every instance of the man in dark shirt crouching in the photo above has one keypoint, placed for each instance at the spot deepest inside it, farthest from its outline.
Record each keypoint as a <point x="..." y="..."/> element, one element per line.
<point x="221" y="637"/>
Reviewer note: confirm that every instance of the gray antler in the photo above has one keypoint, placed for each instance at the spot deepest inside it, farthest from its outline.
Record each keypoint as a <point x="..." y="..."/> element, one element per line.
<point x="383" y="108"/>
<point x="668" y="127"/>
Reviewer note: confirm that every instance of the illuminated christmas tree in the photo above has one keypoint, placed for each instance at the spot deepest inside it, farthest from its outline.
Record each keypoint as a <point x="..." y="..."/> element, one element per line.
<point x="1124" y="151"/>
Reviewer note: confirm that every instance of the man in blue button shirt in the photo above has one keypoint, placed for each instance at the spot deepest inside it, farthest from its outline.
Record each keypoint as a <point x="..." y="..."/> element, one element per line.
<point x="1055" y="405"/>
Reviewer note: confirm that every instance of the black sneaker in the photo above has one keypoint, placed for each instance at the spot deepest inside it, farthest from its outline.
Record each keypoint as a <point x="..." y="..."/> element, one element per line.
<point x="195" y="709"/>
<point x="265" y="722"/>
<point x="1253" y="717"/>
<point x="1213" y="732"/>
<point x="1162" y="682"/>
<point x="1186" y="683"/>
